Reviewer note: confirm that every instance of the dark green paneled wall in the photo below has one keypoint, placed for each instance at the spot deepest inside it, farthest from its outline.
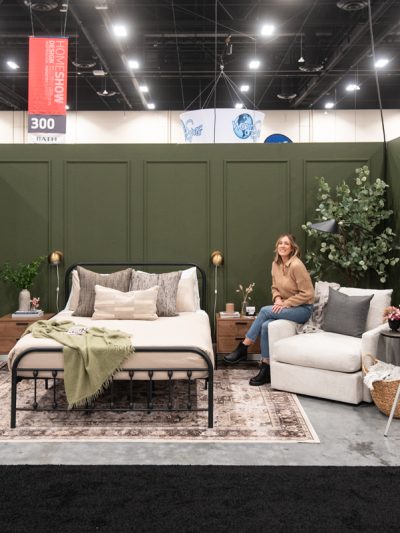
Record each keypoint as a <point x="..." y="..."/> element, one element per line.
<point x="165" y="202"/>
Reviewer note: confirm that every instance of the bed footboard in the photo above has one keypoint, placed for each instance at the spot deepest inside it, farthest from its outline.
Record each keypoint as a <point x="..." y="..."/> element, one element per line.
<point x="130" y="375"/>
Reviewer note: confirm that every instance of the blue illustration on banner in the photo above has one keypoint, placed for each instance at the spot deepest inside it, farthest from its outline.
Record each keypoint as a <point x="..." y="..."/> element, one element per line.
<point x="277" y="138"/>
<point x="243" y="126"/>
<point x="190" y="131"/>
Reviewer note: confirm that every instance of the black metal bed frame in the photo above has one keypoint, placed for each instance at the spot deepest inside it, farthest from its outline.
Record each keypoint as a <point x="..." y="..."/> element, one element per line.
<point x="129" y="372"/>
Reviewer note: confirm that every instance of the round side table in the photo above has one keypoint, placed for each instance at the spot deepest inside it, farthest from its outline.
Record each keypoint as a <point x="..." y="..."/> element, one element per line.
<point x="392" y="355"/>
<point x="392" y="346"/>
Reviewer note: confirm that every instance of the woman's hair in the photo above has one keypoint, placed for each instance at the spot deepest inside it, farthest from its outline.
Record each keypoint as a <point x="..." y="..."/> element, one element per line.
<point x="296" y="252"/>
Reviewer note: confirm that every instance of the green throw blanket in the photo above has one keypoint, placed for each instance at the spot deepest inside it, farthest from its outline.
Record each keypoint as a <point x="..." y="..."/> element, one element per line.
<point x="90" y="359"/>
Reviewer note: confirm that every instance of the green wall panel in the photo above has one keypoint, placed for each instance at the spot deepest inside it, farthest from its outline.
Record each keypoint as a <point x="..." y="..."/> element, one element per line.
<point x="257" y="210"/>
<point x="25" y="221"/>
<point x="97" y="212"/>
<point x="176" y="207"/>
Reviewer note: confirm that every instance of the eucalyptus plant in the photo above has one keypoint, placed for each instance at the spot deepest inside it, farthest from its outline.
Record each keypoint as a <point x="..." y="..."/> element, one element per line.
<point x="364" y="242"/>
<point x="22" y="275"/>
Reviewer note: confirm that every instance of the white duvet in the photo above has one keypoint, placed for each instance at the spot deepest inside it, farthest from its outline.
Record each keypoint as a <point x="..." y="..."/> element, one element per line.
<point x="187" y="329"/>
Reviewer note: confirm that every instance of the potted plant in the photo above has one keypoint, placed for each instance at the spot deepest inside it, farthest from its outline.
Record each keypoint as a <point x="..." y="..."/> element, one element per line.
<point x="364" y="241"/>
<point x="22" y="277"/>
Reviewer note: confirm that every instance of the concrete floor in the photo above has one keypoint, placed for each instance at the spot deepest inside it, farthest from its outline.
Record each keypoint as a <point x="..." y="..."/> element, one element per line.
<point x="349" y="435"/>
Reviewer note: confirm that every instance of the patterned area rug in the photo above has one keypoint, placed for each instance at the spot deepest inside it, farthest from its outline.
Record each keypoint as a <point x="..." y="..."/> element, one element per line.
<point x="241" y="413"/>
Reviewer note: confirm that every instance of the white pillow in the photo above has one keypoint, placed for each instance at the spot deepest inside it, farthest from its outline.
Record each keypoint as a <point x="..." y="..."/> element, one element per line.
<point x="381" y="299"/>
<point x="73" y="298"/>
<point x="111" y="304"/>
<point x="188" y="297"/>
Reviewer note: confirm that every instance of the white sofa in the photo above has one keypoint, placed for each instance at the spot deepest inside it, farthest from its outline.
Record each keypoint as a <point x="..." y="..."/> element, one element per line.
<point x="323" y="364"/>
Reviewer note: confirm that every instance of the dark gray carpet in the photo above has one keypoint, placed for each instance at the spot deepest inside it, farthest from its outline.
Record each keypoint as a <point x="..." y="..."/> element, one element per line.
<point x="198" y="499"/>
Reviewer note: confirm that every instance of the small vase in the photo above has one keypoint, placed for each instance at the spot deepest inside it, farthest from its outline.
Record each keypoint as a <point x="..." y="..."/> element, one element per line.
<point x="24" y="300"/>
<point x="394" y="325"/>
<point x="243" y="310"/>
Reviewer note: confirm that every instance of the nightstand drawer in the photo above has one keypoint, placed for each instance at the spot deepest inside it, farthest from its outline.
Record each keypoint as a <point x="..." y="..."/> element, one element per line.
<point x="228" y="344"/>
<point x="233" y="328"/>
<point x="11" y="329"/>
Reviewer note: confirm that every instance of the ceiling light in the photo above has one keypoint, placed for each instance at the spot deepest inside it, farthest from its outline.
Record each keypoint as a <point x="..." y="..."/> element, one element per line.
<point x="106" y="93"/>
<point x="244" y="88"/>
<point x="254" y="64"/>
<point x="143" y="89"/>
<point x="151" y="106"/>
<point x="63" y="8"/>
<point x="301" y="60"/>
<point x="267" y="30"/>
<point x="84" y="64"/>
<point x="352" y="5"/>
<point x="120" y="30"/>
<point x="329" y="105"/>
<point x="382" y="62"/>
<point x="12" y="64"/>
<point x="99" y="72"/>
<point x="133" y="64"/>
<point x="352" y="87"/>
<point x="101" y="6"/>
<point x="239" y="105"/>
<point x="41" y="5"/>
<point x="286" y="95"/>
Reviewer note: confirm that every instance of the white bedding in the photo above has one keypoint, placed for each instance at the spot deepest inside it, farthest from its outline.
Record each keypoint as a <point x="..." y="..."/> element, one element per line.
<point x="188" y="329"/>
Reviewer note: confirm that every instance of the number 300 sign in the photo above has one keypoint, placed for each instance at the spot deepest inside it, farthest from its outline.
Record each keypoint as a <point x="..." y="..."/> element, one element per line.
<point x="47" y="123"/>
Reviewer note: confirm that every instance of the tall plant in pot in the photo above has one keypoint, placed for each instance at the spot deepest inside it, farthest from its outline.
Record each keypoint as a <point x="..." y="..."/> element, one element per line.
<point x="364" y="241"/>
<point x="21" y="276"/>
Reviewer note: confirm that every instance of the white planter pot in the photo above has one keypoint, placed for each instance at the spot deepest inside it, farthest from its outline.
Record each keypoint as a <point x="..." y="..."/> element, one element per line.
<point x="24" y="300"/>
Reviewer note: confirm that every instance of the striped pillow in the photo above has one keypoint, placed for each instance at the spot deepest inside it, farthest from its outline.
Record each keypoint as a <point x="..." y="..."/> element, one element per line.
<point x="168" y="288"/>
<point x="88" y="279"/>
<point x="111" y="304"/>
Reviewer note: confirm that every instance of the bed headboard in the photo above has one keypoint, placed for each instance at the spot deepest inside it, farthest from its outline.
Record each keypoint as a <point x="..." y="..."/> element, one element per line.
<point x="148" y="267"/>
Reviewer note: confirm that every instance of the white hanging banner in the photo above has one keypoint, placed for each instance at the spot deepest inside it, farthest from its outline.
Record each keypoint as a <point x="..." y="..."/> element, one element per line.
<point x="222" y="126"/>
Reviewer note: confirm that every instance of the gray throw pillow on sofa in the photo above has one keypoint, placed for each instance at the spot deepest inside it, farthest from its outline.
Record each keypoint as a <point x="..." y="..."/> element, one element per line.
<point x="346" y="314"/>
<point x="88" y="279"/>
<point x="168" y="289"/>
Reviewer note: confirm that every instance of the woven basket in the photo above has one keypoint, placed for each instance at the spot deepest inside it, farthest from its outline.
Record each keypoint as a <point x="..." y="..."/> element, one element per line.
<point x="384" y="391"/>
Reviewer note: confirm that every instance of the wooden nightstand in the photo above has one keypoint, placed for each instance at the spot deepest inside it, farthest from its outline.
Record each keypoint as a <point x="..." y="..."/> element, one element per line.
<point x="232" y="330"/>
<point x="11" y="329"/>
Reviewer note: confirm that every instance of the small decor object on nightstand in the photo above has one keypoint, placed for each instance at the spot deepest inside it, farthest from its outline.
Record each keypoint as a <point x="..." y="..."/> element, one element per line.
<point x="245" y="292"/>
<point x="392" y="315"/>
<point x="22" y="277"/>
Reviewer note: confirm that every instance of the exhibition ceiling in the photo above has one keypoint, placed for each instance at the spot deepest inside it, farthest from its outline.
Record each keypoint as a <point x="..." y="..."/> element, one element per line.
<point x="175" y="55"/>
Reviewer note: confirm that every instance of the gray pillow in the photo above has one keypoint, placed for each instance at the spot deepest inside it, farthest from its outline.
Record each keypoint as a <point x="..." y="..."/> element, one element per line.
<point x="168" y="288"/>
<point x="346" y="314"/>
<point x="117" y="280"/>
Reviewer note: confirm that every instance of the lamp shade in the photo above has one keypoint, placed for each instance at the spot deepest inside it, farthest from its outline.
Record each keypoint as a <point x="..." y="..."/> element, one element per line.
<point x="55" y="258"/>
<point x="217" y="258"/>
<point x="328" y="226"/>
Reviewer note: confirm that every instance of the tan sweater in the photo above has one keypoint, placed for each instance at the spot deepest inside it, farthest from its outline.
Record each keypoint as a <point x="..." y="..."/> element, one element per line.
<point x="292" y="283"/>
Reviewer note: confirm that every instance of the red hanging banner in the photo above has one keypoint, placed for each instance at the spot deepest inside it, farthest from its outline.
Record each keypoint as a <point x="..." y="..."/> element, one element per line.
<point x="48" y="75"/>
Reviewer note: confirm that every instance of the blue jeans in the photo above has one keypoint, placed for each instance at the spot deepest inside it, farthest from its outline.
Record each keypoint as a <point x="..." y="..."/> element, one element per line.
<point x="299" y="314"/>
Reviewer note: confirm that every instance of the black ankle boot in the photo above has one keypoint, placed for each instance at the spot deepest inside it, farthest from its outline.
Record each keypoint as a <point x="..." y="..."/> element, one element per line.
<point x="239" y="353"/>
<point x="263" y="376"/>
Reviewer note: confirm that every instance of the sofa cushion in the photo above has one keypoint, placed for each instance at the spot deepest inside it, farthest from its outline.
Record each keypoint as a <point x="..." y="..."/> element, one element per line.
<point x="381" y="299"/>
<point x="324" y="350"/>
<point x="345" y="314"/>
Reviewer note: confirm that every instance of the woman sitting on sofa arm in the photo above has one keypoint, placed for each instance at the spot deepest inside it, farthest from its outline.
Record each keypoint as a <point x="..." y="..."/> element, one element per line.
<point x="292" y="296"/>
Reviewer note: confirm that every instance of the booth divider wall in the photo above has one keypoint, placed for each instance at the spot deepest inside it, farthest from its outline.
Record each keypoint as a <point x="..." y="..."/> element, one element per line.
<point x="165" y="203"/>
